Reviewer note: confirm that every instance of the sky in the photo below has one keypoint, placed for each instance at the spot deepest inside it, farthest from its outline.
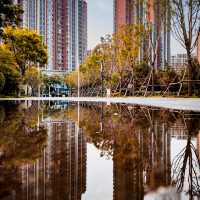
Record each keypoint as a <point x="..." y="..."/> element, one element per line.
<point x="100" y="20"/>
<point x="100" y="23"/>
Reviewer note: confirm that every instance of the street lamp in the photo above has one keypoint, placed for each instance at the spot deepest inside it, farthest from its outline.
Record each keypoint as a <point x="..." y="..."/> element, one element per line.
<point x="38" y="68"/>
<point x="102" y="118"/>
<point x="102" y="78"/>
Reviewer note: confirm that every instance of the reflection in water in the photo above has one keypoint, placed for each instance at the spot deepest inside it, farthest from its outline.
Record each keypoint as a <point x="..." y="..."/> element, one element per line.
<point x="141" y="161"/>
<point x="198" y="145"/>
<point x="61" y="172"/>
<point x="43" y="151"/>
<point x="186" y="164"/>
<point x="22" y="140"/>
<point x="139" y="140"/>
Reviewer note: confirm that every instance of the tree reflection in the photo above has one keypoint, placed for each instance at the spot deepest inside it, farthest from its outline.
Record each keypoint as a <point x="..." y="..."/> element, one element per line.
<point x="21" y="139"/>
<point x="186" y="165"/>
<point x="21" y="142"/>
<point x="138" y="139"/>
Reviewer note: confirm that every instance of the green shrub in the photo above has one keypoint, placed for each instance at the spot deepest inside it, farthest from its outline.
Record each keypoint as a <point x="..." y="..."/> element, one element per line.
<point x="141" y="70"/>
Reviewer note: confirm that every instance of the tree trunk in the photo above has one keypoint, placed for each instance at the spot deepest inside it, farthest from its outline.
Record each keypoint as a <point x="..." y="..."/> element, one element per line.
<point x="189" y="74"/>
<point x="133" y="88"/>
<point x="120" y="86"/>
<point x="190" y="78"/>
<point x="23" y="70"/>
<point x="152" y="88"/>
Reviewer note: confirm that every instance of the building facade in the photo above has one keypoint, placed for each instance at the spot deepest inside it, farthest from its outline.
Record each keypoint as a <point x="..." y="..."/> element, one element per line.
<point x="63" y="26"/>
<point x="148" y="13"/>
<point x="123" y="13"/>
<point x="82" y="30"/>
<point x="178" y="62"/>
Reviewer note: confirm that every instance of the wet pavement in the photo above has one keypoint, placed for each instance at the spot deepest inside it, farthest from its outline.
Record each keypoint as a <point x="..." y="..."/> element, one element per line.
<point x="192" y="104"/>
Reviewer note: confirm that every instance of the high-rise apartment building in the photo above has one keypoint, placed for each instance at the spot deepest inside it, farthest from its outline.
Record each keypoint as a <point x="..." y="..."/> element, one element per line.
<point x="160" y="30"/>
<point x="146" y="12"/>
<point x="82" y="30"/>
<point x="63" y="26"/>
<point x="123" y="13"/>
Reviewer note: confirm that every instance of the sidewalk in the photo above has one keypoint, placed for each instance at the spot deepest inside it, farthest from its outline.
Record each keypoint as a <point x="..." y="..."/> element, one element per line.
<point x="192" y="104"/>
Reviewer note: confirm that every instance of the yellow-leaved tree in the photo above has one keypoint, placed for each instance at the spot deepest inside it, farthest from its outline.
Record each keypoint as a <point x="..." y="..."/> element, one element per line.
<point x="27" y="47"/>
<point x="127" y="43"/>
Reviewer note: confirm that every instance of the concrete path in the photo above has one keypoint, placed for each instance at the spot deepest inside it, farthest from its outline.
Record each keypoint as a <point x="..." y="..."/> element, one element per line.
<point x="192" y="104"/>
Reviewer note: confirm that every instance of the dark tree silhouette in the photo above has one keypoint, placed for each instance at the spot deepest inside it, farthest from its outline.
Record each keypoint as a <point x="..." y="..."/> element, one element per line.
<point x="186" y="169"/>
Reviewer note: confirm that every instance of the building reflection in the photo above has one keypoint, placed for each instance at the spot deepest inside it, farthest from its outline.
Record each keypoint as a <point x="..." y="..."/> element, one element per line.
<point x="61" y="172"/>
<point x="137" y="139"/>
<point x="140" y="144"/>
<point x="21" y="141"/>
<point x="147" y="166"/>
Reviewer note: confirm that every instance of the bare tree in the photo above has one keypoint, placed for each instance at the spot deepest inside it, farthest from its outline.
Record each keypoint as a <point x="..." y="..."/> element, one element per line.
<point x="186" y="26"/>
<point x="186" y="168"/>
<point x="186" y="164"/>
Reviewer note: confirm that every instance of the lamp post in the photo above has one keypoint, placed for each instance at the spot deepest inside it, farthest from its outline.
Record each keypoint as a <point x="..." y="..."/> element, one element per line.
<point x="38" y="68"/>
<point x="102" y="118"/>
<point x="101" y="78"/>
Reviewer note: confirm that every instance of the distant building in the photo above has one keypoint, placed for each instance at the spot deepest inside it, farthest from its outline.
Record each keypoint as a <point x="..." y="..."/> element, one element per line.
<point x="130" y="12"/>
<point x="63" y="26"/>
<point x="178" y="62"/>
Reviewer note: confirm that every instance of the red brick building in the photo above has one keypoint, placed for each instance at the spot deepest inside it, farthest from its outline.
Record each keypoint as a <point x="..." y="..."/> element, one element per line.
<point x="129" y="12"/>
<point x="123" y="13"/>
